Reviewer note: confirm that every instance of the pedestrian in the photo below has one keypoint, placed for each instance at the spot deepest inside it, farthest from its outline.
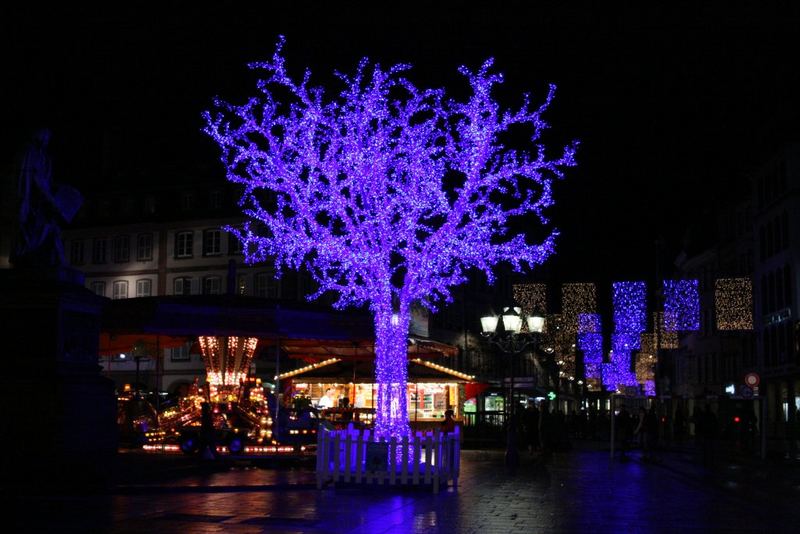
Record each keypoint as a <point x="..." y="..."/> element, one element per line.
<point x="680" y="424"/>
<point x="532" y="427"/>
<point x="651" y="433"/>
<point x="699" y="419"/>
<point x="449" y="423"/>
<point x="624" y="425"/>
<point x="639" y="431"/>
<point x="709" y="437"/>
<point x="546" y="430"/>
<point x="208" y="445"/>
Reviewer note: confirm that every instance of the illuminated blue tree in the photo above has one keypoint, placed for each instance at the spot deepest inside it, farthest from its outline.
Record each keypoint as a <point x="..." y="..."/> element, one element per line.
<point x="352" y="187"/>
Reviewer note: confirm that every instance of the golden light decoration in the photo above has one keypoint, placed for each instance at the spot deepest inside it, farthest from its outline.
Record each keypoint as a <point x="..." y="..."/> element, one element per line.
<point x="577" y="298"/>
<point x="227" y="361"/>
<point x="532" y="298"/>
<point x="645" y="367"/>
<point x="663" y="338"/>
<point x="444" y="369"/>
<point x="301" y="370"/>
<point x="733" y="300"/>
<point x="647" y="343"/>
<point x="562" y="341"/>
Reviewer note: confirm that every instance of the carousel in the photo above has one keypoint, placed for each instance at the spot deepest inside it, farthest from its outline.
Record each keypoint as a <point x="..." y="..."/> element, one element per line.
<point x="228" y="414"/>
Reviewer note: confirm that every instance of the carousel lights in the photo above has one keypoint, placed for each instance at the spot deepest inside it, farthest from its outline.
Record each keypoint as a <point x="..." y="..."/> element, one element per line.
<point x="681" y="305"/>
<point x="302" y="370"/>
<point x="733" y="300"/>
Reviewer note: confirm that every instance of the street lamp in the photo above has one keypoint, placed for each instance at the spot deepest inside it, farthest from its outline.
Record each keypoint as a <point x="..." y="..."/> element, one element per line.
<point x="139" y="351"/>
<point x="512" y="341"/>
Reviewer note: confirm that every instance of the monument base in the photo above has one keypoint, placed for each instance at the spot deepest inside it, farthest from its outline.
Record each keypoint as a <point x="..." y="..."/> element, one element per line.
<point x="59" y="427"/>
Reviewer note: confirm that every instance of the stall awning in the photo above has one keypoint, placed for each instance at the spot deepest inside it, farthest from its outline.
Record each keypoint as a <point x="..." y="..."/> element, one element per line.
<point x="471" y="391"/>
<point x="111" y="344"/>
<point x="363" y="370"/>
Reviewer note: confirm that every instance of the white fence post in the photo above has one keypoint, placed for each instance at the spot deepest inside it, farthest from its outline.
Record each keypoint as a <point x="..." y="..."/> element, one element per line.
<point x="434" y="457"/>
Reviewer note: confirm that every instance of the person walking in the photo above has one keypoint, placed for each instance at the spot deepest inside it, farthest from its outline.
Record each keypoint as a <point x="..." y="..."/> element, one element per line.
<point x="639" y="431"/>
<point x="532" y="427"/>
<point x="651" y="433"/>
<point x="625" y="431"/>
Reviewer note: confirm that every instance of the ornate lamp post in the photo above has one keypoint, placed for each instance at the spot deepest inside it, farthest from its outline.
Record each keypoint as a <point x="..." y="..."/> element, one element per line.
<point x="510" y="339"/>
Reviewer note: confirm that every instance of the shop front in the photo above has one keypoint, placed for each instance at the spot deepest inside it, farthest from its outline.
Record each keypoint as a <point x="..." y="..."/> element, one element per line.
<point x="344" y="391"/>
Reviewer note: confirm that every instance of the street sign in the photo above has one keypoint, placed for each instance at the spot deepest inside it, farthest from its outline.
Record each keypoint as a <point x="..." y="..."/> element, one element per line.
<point x="752" y="380"/>
<point x="747" y="392"/>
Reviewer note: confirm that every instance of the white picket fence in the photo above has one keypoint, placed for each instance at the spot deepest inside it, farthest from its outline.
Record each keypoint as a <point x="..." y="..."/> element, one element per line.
<point x="351" y="456"/>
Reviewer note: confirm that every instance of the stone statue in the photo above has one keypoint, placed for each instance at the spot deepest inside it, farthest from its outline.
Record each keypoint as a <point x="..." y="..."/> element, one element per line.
<point x="43" y="207"/>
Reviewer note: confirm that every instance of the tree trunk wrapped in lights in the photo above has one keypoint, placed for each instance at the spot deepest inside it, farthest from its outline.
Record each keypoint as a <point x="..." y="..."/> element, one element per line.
<point x="352" y="188"/>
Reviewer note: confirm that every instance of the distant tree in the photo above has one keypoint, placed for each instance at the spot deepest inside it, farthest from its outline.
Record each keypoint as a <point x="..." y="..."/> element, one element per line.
<point x="353" y="188"/>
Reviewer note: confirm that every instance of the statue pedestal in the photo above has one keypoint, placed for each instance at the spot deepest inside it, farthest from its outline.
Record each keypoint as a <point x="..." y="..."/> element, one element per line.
<point x="59" y="420"/>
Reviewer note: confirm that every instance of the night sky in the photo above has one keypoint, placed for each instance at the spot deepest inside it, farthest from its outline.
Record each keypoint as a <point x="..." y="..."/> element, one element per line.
<point x="673" y="107"/>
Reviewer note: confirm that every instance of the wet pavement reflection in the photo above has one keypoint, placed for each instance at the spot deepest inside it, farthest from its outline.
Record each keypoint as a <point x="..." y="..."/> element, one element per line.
<point x="580" y="491"/>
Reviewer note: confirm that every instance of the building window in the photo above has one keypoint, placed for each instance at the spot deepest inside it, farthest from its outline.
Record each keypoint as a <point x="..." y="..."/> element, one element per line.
<point x="122" y="249"/>
<point x="144" y="287"/>
<point x="785" y="229"/>
<point x="144" y="247"/>
<point x="184" y="242"/>
<point x="76" y="252"/>
<point x="149" y="205"/>
<point x="234" y="244"/>
<point x="120" y="290"/>
<point x="187" y="201"/>
<point x="212" y="285"/>
<point x="99" y="250"/>
<point x="215" y="199"/>
<point x="180" y="354"/>
<point x="267" y="286"/>
<point x="99" y="288"/>
<point x="211" y="242"/>
<point x="182" y="286"/>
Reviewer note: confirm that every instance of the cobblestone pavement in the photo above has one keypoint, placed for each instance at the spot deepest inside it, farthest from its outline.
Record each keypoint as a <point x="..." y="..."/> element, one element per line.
<point x="579" y="491"/>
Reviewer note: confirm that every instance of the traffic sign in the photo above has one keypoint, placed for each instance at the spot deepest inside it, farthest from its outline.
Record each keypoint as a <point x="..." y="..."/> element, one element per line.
<point x="752" y="380"/>
<point x="747" y="392"/>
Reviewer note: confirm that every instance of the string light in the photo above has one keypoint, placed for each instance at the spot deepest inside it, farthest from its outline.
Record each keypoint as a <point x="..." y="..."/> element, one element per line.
<point x="355" y="183"/>
<point x="577" y="299"/>
<point x="647" y="343"/>
<point x="664" y="339"/>
<point x="733" y="300"/>
<point x="630" y="320"/>
<point x="532" y="298"/>
<point x="444" y="369"/>
<point x="301" y="370"/>
<point x="590" y="342"/>
<point x="562" y="342"/>
<point x="630" y="311"/>
<point x="645" y="367"/>
<point x="681" y="305"/>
